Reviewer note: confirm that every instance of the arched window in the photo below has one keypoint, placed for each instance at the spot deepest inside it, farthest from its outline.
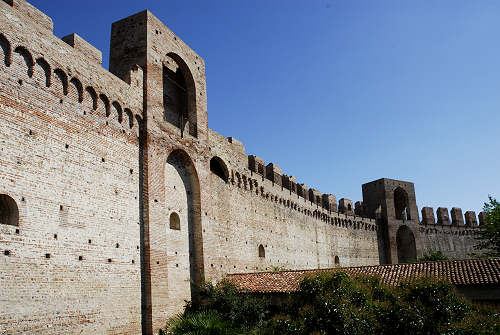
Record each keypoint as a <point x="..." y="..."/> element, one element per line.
<point x="262" y="251"/>
<point x="218" y="167"/>
<point x="179" y="98"/>
<point x="337" y="261"/>
<point x="401" y="207"/>
<point x="5" y="44"/>
<point x="349" y="207"/>
<point x="28" y="59"/>
<point x="9" y="213"/>
<point x="175" y="221"/>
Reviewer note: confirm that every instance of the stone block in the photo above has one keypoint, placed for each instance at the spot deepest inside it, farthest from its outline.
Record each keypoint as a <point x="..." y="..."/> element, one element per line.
<point x="303" y="191"/>
<point x="84" y="47"/>
<point x="315" y="196"/>
<point x="457" y="218"/>
<point x="428" y="216"/>
<point x="273" y="173"/>
<point x="345" y="206"/>
<point x="237" y="145"/>
<point x="329" y="202"/>
<point x="443" y="216"/>
<point x="293" y="184"/>
<point x="482" y="218"/>
<point x="359" y="208"/>
<point x="257" y="165"/>
<point x="470" y="219"/>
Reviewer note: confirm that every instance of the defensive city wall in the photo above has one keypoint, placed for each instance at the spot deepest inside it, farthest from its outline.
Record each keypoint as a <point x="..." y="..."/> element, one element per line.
<point x="115" y="194"/>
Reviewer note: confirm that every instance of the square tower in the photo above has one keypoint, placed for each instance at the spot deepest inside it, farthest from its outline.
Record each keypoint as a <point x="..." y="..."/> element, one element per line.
<point x="393" y="204"/>
<point x="174" y="83"/>
<point x="173" y="141"/>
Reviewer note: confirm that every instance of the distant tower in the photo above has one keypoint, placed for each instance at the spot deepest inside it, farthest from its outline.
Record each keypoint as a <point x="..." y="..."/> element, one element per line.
<point x="393" y="204"/>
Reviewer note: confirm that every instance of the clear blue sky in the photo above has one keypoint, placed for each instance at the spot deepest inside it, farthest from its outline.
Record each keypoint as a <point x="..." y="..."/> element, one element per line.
<point x="339" y="93"/>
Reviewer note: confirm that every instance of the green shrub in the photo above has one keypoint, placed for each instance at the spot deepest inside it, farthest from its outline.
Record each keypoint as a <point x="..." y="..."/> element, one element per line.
<point x="433" y="256"/>
<point x="202" y="323"/>
<point x="425" y="306"/>
<point x="338" y="304"/>
<point x="239" y="309"/>
<point x="334" y="303"/>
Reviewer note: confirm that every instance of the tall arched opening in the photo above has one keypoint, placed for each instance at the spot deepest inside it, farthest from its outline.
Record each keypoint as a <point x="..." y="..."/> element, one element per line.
<point x="407" y="250"/>
<point x="181" y="170"/>
<point x="179" y="96"/>
<point x="401" y="204"/>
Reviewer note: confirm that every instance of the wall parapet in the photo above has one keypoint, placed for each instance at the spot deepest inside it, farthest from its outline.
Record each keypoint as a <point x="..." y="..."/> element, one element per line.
<point x="293" y="201"/>
<point x="27" y="10"/>
<point x="457" y="217"/>
<point x="70" y="64"/>
<point x="327" y="201"/>
<point x="84" y="47"/>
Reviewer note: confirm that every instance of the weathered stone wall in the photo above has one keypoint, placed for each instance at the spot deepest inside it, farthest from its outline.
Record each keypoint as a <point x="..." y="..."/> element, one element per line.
<point x="249" y="211"/>
<point x="453" y="242"/>
<point x="454" y="238"/>
<point x="71" y="265"/>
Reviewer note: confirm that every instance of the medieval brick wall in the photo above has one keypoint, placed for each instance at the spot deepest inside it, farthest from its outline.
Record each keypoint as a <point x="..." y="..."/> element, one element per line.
<point x="249" y="210"/>
<point x="124" y="195"/>
<point x="174" y="163"/>
<point x="454" y="238"/>
<point x="71" y="264"/>
<point x="453" y="242"/>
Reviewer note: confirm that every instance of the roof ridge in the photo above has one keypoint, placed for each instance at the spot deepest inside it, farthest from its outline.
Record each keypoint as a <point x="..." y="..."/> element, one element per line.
<point x="368" y="266"/>
<point x="475" y="271"/>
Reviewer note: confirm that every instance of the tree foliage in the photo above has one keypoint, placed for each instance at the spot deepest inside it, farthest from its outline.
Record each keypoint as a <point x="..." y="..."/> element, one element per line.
<point x="338" y="304"/>
<point x="241" y="310"/>
<point x="433" y="256"/>
<point x="207" y="322"/>
<point x="489" y="236"/>
<point x="334" y="303"/>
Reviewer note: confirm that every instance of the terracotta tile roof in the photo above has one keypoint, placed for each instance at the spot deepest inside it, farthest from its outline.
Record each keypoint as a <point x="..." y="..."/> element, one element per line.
<point x="458" y="272"/>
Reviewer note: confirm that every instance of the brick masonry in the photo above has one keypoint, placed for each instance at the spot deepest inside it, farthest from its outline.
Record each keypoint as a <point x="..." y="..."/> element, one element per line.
<point x="123" y="194"/>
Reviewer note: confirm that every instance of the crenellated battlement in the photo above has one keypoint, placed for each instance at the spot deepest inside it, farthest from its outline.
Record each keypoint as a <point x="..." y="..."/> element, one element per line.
<point x="274" y="173"/>
<point x="270" y="183"/>
<point x="26" y="10"/>
<point x="457" y="217"/>
<point x="69" y="68"/>
<point x="315" y="209"/>
<point x="87" y="49"/>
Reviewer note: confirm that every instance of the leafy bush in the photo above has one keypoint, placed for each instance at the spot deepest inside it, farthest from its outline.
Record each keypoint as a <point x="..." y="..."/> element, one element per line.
<point x="434" y="256"/>
<point x="202" y="323"/>
<point x="334" y="303"/>
<point x="339" y="304"/>
<point x="240" y="311"/>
